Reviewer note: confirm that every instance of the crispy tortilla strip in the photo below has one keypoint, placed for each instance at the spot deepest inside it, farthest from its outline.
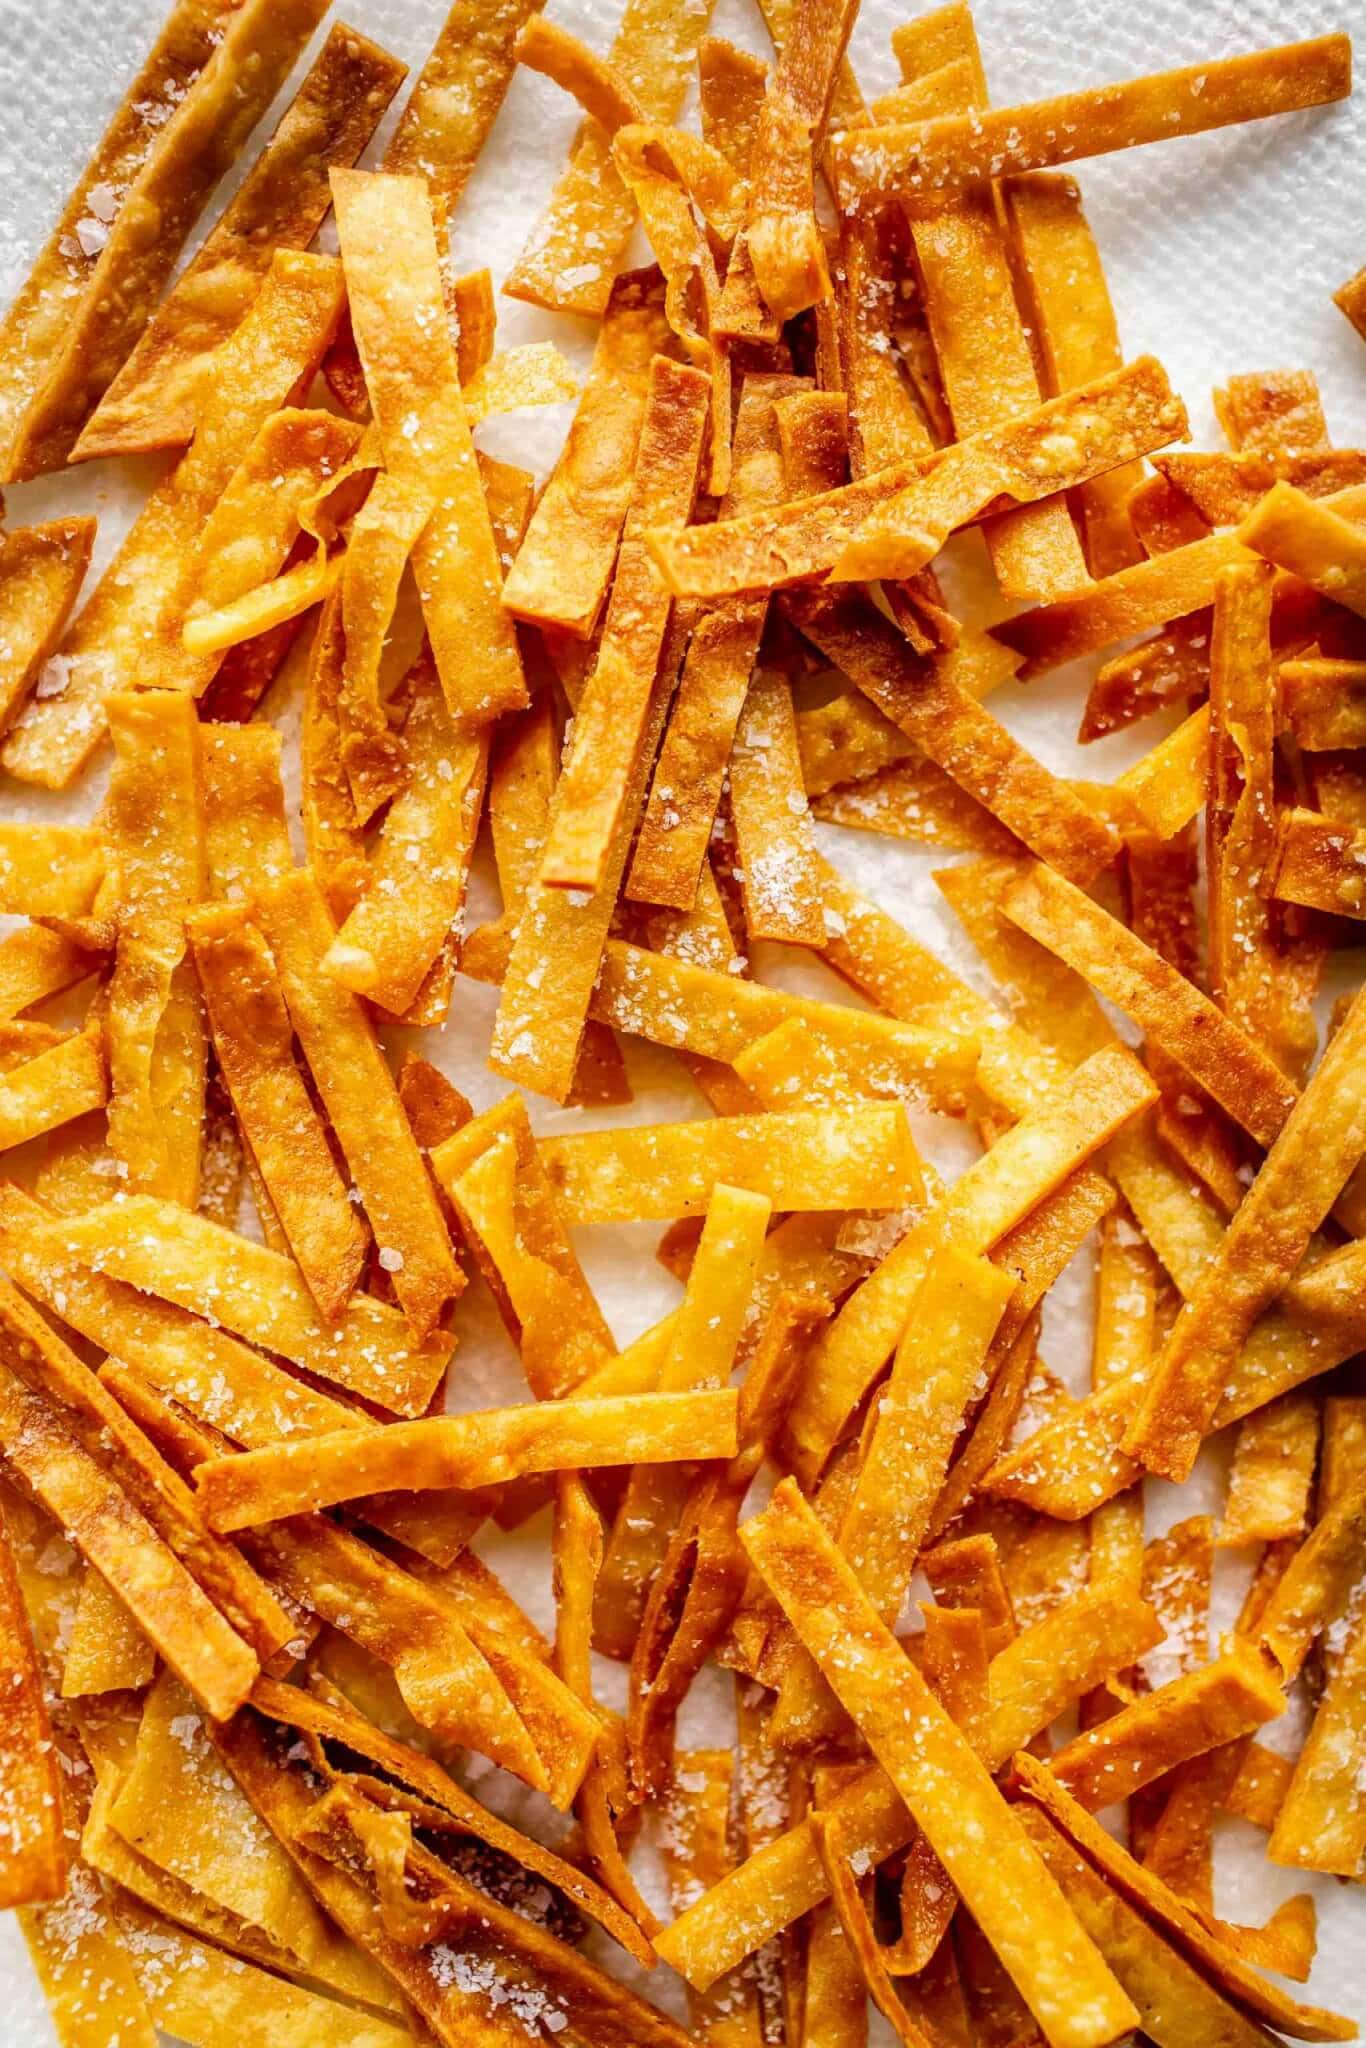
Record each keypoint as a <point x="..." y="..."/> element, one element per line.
<point x="35" y="1861"/>
<point x="604" y="96"/>
<point x="926" y="162"/>
<point x="697" y="1854"/>
<point x="1216" y="1961"/>
<point x="850" y="1902"/>
<point x="494" y="1445"/>
<point x="107" y="1651"/>
<point x="1272" y="1475"/>
<point x="155" y="400"/>
<point x="456" y="96"/>
<point x="1190" y="1715"/>
<point x="41" y="1094"/>
<point x="1323" y="703"/>
<point x="564" y="565"/>
<point x="1146" y="594"/>
<point x="1312" y="541"/>
<point x="168" y="1606"/>
<point x="394" y="291"/>
<point x="36" y="963"/>
<point x="857" y="1158"/>
<point x="953" y="729"/>
<point x="362" y="1105"/>
<point x="570" y="259"/>
<point x="915" y="801"/>
<point x="1318" y="1582"/>
<point x="1320" y="1145"/>
<point x="85" y="1969"/>
<point x="780" y="878"/>
<point x="701" y="1353"/>
<point x="254" y="1042"/>
<point x="731" y="90"/>
<point x="944" y="1784"/>
<point x="1021" y="1170"/>
<point x="1214" y="1051"/>
<point x="1317" y="862"/>
<point x="1350" y="299"/>
<point x="1162" y="670"/>
<point x="1164" y="790"/>
<point x="1225" y="489"/>
<point x="589" y="807"/>
<point x="245" y="832"/>
<point x="332" y="830"/>
<point x="884" y="420"/>
<point x="1272" y="410"/>
<point x="134" y="607"/>
<point x="41" y="572"/>
<point x="1178" y="2008"/>
<point x="49" y="870"/>
<point x="164" y="1250"/>
<point x="209" y="79"/>
<point x="1321" y="1823"/>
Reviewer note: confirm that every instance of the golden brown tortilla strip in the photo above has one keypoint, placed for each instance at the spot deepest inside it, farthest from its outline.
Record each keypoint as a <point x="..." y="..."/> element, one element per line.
<point x="36" y="963"/>
<point x="1350" y="299"/>
<point x="1312" y="541"/>
<point x="1319" y="1823"/>
<point x="84" y="1967"/>
<point x="1130" y="601"/>
<point x="780" y="877"/>
<point x="107" y="1651"/>
<point x="731" y="91"/>
<point x="1317" y="1583"/>
<point x="155" y="400"/>
<point x="35" y="1862"/>
<point x="210" y="77"/>
<point x="1272" y="1475"/>
<point x="49" y="870"/>
<point x="41" y="572"/>
<point x="53" y="1088"/>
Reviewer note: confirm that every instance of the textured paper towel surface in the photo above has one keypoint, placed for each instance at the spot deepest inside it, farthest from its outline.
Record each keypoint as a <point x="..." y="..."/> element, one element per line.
<point x="1222" y="252"/>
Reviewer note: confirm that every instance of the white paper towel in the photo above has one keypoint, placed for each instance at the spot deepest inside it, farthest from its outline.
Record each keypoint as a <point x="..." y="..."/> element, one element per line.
<point x="1222" y="252"/>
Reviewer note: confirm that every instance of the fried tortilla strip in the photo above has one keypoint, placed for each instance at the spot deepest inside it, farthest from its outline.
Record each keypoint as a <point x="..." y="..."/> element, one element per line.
<point x="277" y="347"/>
<point x="362" y="1105"/>
<point x="563" y="567"/>
<point x="207" y="82"/>
<point x="1224" y="490"/>
<point x="456" y="96"/>
<point x="1312" y="541"/>
<point x="780" y="877"/>
<point x="1272" y="410"/>
<point x="254" y="1042"/>
<point x="925" y="162"/>
<point x="107" y="1651"/>
<point x="1216" y="1961"/>
<point x="35" y="1863"/>
<point x="1272" y="1475"/>
<point x="1322" y="703"/>
<point x="1082" y="1113"/>
<point x="41" y="572"/>
<point x="1319" y="1147"/>
<point x="1230" y="1065"/>
<point x="1318" y="1582"/>
<point x="49" y="870"/>
<point x="245" y="832"/>
<point x="944" y="1784"/>
<point x="65" y="1081"/>
<point x="1350" y="299"/>
<point x="169" y="1607"/>
<point x="1320" y="1823"/>
<point x="470" y="1450"/>
<point x="1131" y="601"/>
<point x="945" y="721"/>
<point x="394" y="290"/>
<point x="731" y="90"/>
<point x="1317" y="862"/>
<point x="697" y="1854"/>
<point x="36" y="963"/>
<point x="164" y="1250"/>
<point x="84" y="1967"/>
<point x="155" y="400"/>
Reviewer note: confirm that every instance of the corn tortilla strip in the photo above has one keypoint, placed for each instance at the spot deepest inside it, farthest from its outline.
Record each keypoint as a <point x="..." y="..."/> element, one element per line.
<point x="731" y="91"/>
<point x="590" y="798"/>
<point x="1320" y="1145"/>
<point x="1225" y="489"/>
<point x="35" y="1862"/>
<point x="1323" y="703"/>
<point x="107" y="1651"/>
<point x="496" y="1444"/>
<point x="362" y="1105"/>
<point x="246" y="837"/>
<point x="1129" y="602"/>
<point x="780" y="871"/>
<point x="1350" y="299"/>
<point x="851" y="1905"/>
<point x="84" y="1968"/>
<point x="1312" y="541"/>
<point x="277" y="347"/>
<point x="165" y="1251"/>
<point x="209" y="79"/>
<point x="53" y="1088"/>
<point x="697" y="1852"/>
<point x="1317" y="1583"/>
<point x="41" y="572"/>
<point x="944" y="1784"/>
<point x="456" y="96"/>
<point x="155" y="400"/>
<point x="1320" y="1823"/>
<point x="1317" y="863"/>
<point x="36" y="963"/>
<point x="49" y="870"/>
<point x="926" y="162"/>
<point x="1272" y="1474"/>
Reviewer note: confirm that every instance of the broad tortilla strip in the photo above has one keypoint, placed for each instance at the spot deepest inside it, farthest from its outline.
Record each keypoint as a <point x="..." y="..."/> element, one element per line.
<point x="155" y="400"/>
<point x="943" y="1782"/>
<point x="1323" y="703"/>
<point x="246" y="836"/>
<point x="50" y="870"/>
<point x="358" y="1093"/>
<point x="108" y="1651"/>
<point x="85" y="1969"/>
<point x="36" y="963"/>
<point x="1236" y="1072"/>
<point x="1317" y="1584"/>
<point x="1320" y="1823"/>
<point x="1129" y="602"/>
<point x="493" y="1445"/>
<point x="277" y="346"/>
<point x="212" y="74"/>
<point x="35" y="1861"/>
<point x="53" y="1088"/>
<point x="780" y="870"/>
<point x="925" y="162"/>
<point x="1271" y="1480"/>
<point x="178" y="1257"/>
<point x="41" y="572"/>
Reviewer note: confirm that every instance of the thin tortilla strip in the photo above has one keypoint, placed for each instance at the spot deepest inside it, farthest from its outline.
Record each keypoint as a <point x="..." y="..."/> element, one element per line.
<point x="155" y="400"/>
<point x="731" y="91"/>
<point x="697" y="1852"/>
<point x="1323" y="703"/>
<point x="456" y="96"/>
<point x="41" y="572"/>
<point x="49" y="870"/>
<point x="482" y="1448"/>
<point x="1272" y="1476"/>
<point x="36" y="963"/>
<point x="108" y="1651"/>
<point x="53" y="1088"/>
<point x="1312" y="541"/>
<point x="780" y="877"/>
<point x="1129" y="602"/>
<point x="209" y="79"/>
<point x="1317" y="1583"/>
<point x="1320" y="1823"/>
<point x="35" y="1861"/>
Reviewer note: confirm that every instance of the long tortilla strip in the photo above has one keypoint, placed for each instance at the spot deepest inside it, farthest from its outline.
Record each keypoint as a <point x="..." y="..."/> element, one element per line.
<point x="35" y="1861"/>
<point x="41" y="572"/>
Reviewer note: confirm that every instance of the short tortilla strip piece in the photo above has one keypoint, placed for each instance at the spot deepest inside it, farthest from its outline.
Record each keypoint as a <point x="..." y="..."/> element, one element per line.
<point x="1322" y="703"/>
<point x="926" y="162"/>
<point x="394" y="290"/>
<point x="943" y="1782"/>
<point x="1167" y="668"/>
<point x="358" y="1093"/>
<point x="495" y="1445"/>
<point x="41" y="572"/>
<point x="1350" y="299"/>
<point x="916" y="801"/>
<point x="731" y="89"/>
<point x="85" y="1969"/>
<point x="1224" y="490"/>
<point x="1083" y="1112"/>
<point x="1319" y="1147"/>
<point x="1312" y="541"/>
<point x="254" y="1040"/>
<point x="856" y="1158"/>
<point x="1320" y="1824"/>
<point x="1226" y="1062"/>
<point x="49" y="870"/>
<point x="277" y="347"/>
<point x="245" y="831"/>
<point x="1218" y="1963"/>
<point x="1272" y="411"/>
<point x="589" y="805"/>
<point x="569" y="261"/>
<point x="154" y="401"/>
<point x="168" y="1606"/>
<point x="36" y="963"/>
<point x="947" y="723"/>
<point x="107" y="1651"/>
<point x="1272" y="1475"/>
<point x="1318" y="1582"/>
<point x="35" y="1862"/>
<point x="67" y="1081"/>
<point x="209" y="79"/>
<point x="1131" y="601"/>
<point x="563" y="568"/>
<point x="167" y="1252"/>
<point x="780" y="880"/>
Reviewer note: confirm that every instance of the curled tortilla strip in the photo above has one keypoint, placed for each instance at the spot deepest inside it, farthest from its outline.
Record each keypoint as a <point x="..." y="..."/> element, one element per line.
<point x="155" y="400"/>
<point x="210" y="77"/>
<point x="41" y="572"/>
